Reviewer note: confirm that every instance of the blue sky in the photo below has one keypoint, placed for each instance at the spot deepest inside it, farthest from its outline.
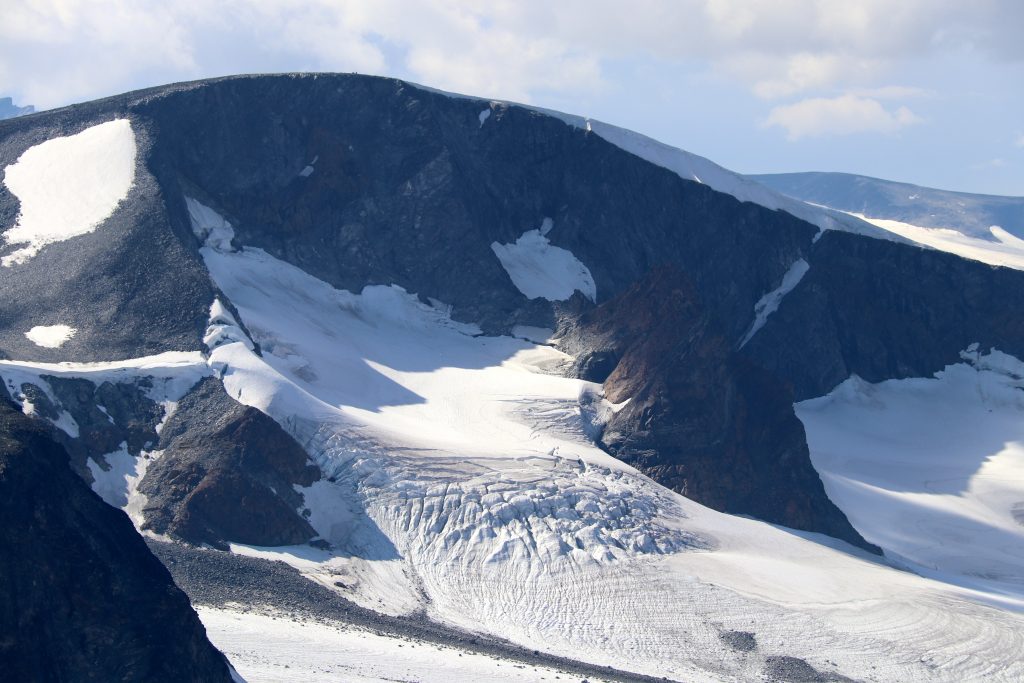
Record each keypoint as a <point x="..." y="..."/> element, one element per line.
<point x="924" y="91"/>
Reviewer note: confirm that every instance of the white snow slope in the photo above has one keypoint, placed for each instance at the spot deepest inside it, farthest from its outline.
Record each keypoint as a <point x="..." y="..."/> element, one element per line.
<point x="932" y="469"/>
<point x="268" y="648"/>
<point x="1003" y="249"/>
<point x="68" y="186"/>
<point x="464" y="486"/>
<point x="769" y="303"/>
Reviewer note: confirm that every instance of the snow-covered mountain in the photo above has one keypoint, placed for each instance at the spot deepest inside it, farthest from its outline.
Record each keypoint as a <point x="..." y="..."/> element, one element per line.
<point x="986" y="228"/>
<point x="516" y="383"/>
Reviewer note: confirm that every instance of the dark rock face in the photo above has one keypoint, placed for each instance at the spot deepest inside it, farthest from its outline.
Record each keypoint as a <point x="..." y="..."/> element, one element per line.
<point x="227" y="473"/>
<point x="409" y="188"/>
<point x="883" y="310"/>
<point x="107" y="415"/>
<point x="81" y="597"/>
<point x="701" y="419"/>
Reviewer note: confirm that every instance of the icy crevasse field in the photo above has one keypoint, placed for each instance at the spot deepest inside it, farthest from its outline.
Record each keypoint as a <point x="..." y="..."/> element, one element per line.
<point x="465" y="486"/>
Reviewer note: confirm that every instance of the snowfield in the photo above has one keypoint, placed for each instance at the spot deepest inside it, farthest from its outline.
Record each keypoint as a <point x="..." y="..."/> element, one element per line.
<point x="1003" y="249"/>
<point x="265" y="648"/>
<point x="68" y="186"/>
<point x="463" y="485"/>
<point x="932" y="469"/>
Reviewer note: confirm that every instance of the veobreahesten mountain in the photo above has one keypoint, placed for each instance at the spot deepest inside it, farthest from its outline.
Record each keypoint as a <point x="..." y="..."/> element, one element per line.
<point x="518" y="373"/>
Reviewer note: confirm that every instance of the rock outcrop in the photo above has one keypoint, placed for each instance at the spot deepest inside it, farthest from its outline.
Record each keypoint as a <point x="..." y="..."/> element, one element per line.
<point x="226" y="472"/>
<point x="698" y="417"/>
<point x="81" y="596"/>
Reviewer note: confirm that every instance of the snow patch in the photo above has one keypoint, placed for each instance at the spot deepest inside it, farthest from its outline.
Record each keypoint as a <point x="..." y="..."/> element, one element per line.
<point x="50" y="336"/>
<point x="769" y="303"/>
<point x="541" y="270"/>
<point x="309" y="168"/>
<point x="111" y="484"/>
<point x="67" y="186"/>
<point x="484" y="115"/>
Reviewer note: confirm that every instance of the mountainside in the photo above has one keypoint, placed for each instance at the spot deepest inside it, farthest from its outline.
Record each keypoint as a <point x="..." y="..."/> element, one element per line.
<point x="83" y="599"/>
<point x="459" y="358"/>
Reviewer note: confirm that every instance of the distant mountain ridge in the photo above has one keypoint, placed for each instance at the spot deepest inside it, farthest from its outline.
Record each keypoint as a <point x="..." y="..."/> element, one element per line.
<point x="8" y="110"/>
<point x="970" y="214"/>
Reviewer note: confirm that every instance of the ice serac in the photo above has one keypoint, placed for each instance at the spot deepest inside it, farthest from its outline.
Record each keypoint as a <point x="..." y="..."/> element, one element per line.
<point x="81" y="597"/>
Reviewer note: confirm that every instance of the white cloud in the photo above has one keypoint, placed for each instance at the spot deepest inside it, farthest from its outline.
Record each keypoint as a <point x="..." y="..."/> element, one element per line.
<point x="893" y="92"/>
<point x="989" y="164"/>
<point x="776" y="77"/>
<point x="52" y="51"/>
<point x="843" y="115"/>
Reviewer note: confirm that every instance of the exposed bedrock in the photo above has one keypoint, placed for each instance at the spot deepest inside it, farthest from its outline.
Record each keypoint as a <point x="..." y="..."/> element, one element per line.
<point x="226" y="472"/>
<point x="700" y="418"/>
<point x="81" y="597"/>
